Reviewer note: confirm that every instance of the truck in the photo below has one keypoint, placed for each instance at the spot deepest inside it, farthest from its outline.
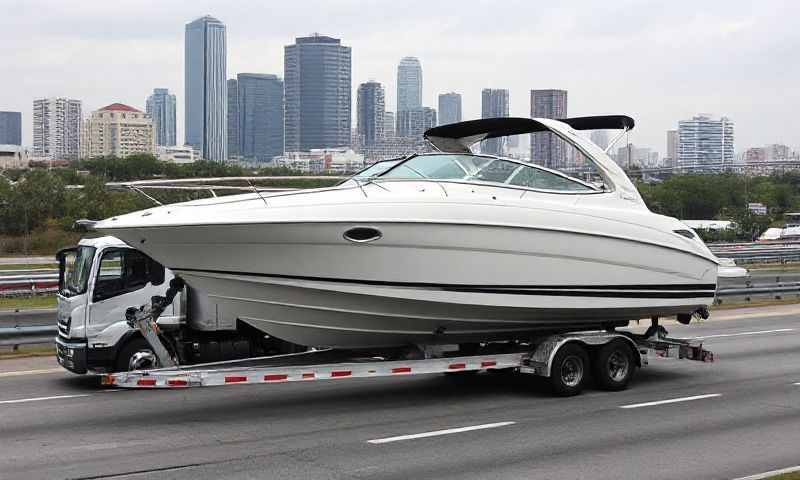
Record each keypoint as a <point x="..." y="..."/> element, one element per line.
<point x="127" y="318"/>
<point x="100" y="278"/>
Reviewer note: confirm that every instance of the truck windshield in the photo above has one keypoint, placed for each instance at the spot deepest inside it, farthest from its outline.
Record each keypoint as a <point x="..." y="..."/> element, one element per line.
<point x="76" y="265"/>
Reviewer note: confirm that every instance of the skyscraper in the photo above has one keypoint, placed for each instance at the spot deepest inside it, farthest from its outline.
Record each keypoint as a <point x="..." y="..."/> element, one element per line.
<point x="261" y="124"/>
<point x="388" y="125"/>
<point x="411" y="124"/>
<point x="672" y="148"/>
<point x="599" y="138"/>
<point x="205" y="86"/>
<point x="449" y="108"/>
<point x="705" y="144"/>
<point x="494" y="103"/>
<point x="371" y="107"/>
<point x="10" y="128"/>
<point x="547" y="149"/>
<point x="161" y="108"/>
<point x="409" y="84"/>
<point x="233" y="119"/>
<point x="317" y="76"/>
<point x="56" y="128"/>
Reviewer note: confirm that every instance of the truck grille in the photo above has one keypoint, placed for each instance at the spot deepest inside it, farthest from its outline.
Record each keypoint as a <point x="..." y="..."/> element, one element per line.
<point x="63" y="326"/>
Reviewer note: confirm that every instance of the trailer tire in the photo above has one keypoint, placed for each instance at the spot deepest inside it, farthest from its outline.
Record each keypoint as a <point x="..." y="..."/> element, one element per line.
<point x="614" y="366"/>
<point x="135" y="355"/>
<point x="569" y="369"/>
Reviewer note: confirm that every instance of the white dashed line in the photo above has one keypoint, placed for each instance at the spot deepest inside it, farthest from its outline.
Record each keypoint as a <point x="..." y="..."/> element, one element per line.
<point x="671" y="400"/>
<point x="30" y="372"/>
<point x="760" y="476"/>
<point x="439" y="432"/>
<point x="740" y="334"/>
<point x="39" y="399"/>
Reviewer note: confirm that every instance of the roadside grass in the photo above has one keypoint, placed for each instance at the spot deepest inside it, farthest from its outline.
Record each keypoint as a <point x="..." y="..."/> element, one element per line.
<point x="785" y="476"/>
<point x="25" y="303"/>
<point x="27" y="351"/>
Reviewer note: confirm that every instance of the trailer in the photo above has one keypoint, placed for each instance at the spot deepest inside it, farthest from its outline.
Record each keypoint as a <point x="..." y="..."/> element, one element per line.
<point x="565" y="359"/>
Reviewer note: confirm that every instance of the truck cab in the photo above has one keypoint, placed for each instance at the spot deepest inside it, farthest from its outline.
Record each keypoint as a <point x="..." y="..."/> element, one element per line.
<point x="98" y="280"/>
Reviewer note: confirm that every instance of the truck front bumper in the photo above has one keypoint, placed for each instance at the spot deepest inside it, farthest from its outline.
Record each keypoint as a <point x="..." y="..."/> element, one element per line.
<point x="71" y="354"/>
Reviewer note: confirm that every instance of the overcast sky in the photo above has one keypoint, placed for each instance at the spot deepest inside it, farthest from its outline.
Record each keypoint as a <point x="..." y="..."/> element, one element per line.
<point x="657" y="61"/>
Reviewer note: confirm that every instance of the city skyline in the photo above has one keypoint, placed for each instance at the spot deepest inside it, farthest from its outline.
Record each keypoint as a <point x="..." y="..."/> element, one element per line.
<point x="701" y="57"/>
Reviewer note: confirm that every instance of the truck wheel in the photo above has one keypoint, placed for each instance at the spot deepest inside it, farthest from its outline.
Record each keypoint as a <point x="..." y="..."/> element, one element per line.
<point x="136" y="355"/>
<point x="569" y="369"/>
<point x="614" y="366"/>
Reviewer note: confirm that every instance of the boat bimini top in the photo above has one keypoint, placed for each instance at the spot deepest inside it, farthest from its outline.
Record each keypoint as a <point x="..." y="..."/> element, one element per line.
<point x="459" y="137"/>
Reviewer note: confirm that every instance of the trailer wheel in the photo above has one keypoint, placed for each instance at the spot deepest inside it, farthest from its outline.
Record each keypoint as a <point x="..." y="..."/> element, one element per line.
<point x="614" y="366"/>
<point x="136" y="355"/>
<point x="568" y="370"/>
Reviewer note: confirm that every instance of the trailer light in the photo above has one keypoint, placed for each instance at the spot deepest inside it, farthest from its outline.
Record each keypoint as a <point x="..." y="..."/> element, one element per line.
<point x="457" y="366"/>
<point x="146" y="382"/>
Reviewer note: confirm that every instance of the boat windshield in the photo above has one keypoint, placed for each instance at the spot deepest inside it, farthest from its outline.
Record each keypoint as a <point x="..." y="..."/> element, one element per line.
<point x="485" y="169"/>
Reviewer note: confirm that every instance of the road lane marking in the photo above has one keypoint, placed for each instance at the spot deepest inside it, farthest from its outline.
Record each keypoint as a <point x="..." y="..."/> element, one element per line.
<point x="798" y="383"/>
<point x="31" y="372"/>
<point x="761" y="476"/>
<point x="671" y="400"/>
<point x="739" y="334"/>
<point x="39" y="399"/>
<point x="439" y="432"/>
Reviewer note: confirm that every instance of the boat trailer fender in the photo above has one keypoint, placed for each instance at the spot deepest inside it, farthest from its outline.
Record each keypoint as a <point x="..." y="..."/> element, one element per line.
<point x="541" y="359"/>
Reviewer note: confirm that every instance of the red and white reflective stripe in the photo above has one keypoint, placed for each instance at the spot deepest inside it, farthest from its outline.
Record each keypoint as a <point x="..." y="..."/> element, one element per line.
<point x="457" y="366"/>
<point x="341" y="373"/>
<point x="401" y="370"/>
<point x="235" y="379"/>
<point x="275" y="377"/>
<point x="146" y="382"/>
<point x="177" y="382"/>
<point x="488" y="363"/>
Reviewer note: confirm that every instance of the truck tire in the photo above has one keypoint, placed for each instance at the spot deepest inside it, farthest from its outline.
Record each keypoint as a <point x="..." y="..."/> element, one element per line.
<point x="569" y="370"/>
<point x="136" y="355"/>
<point x="614" y="366"/>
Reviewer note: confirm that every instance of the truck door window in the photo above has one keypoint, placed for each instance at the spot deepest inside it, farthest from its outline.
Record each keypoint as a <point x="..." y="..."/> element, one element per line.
<point x="123" y="271"/>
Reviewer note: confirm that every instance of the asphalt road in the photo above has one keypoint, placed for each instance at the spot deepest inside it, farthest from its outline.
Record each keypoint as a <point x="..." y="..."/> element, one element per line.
<point x="747" y="420"/>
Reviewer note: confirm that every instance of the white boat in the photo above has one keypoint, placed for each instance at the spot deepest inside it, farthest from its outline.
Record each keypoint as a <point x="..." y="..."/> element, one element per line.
<point x="448" y="247"/>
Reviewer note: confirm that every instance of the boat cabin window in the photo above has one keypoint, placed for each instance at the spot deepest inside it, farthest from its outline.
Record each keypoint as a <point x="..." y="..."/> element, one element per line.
<point x="486" y="169"/>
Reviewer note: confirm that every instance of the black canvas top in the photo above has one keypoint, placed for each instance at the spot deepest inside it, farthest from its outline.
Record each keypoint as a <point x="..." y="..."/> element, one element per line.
<point x="504" y="126"/>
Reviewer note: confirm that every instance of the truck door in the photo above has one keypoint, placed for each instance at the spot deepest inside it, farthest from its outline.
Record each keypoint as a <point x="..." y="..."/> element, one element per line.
<point x="124" y="278"/>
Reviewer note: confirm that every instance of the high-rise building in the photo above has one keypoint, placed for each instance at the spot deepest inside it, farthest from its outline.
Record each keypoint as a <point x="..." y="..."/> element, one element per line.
<point x="409" y="84"/>
<point x="705" y="144"/>
<point x="449" y="108"/>
<point x="205" y="88"/>
<point x="388" y="125"/>
<point x="117" y="130"/>
<point x="672" y="148"/>
<point x="494" y="104"/>
<point x="161" y="108"/>
<point x="371" y="107"/>
<point x="56" y="129"/>
<point x="260" y="126"/>
<point x="233" y="119"/>
<point x="547" y="149"/>
<point x="411" y="124"/>
<point x="317" y="77"/>
<point x="10" y="128"/>
<point x="599" y="138"/>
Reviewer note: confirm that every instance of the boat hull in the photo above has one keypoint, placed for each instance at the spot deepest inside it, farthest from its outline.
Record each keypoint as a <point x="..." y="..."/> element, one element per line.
<point x="426" y="282"/>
